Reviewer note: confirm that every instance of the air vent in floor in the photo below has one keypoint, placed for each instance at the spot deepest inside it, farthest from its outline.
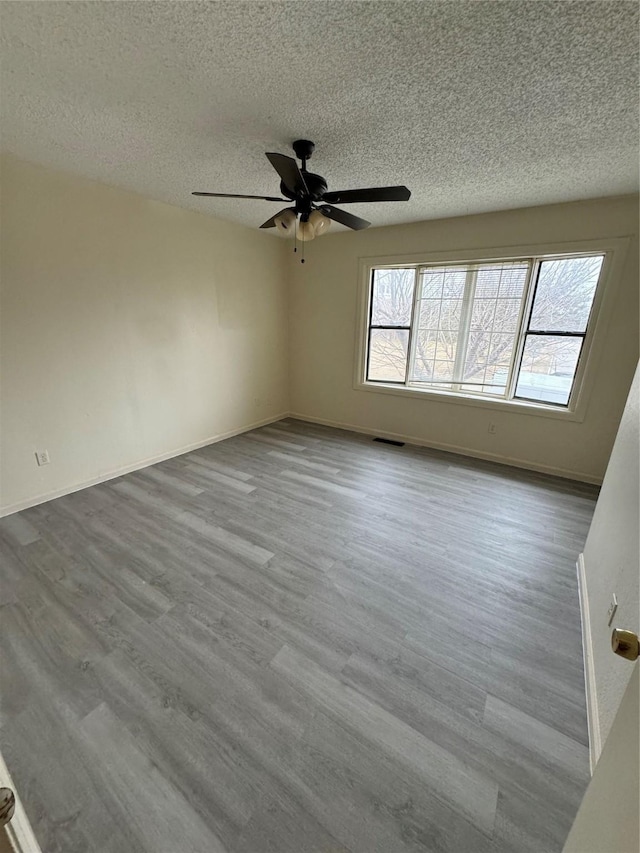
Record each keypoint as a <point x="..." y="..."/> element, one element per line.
<point x="389" y="441"/>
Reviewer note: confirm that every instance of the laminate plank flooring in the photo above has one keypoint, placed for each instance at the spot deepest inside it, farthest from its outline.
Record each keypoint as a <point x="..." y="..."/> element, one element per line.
<point x="298" y="641"/>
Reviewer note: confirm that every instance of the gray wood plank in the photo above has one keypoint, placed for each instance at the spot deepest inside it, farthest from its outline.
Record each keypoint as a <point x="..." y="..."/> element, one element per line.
<point x="154" y="813"/>
<point x="449" y="777"/>
<point x="17" y="528"/>
<point x="298" y="640"/>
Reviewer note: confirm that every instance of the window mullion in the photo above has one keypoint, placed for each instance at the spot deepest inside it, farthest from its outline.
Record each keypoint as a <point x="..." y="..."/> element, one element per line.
<point x="465" y="325"/>
<point x="415" y="314"/>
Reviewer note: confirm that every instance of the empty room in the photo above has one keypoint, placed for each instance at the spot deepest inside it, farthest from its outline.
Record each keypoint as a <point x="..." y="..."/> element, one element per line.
<point x="319" y="427"/>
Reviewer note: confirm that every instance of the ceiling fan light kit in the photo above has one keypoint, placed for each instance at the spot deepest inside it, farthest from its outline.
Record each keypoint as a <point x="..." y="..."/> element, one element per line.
<point x="305" y="232"/>
<point x="321" y="223"/>
<point x="285" y="222"/>
<point x="313" y="209"/>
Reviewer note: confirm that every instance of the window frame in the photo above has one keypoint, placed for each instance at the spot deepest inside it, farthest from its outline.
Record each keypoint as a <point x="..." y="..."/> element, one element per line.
<point x="408" y="328"/>
<point x="614" y="251"/>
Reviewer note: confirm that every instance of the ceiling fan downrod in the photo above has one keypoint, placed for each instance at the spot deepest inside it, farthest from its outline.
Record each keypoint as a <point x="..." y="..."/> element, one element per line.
<point x="303" y="149"/>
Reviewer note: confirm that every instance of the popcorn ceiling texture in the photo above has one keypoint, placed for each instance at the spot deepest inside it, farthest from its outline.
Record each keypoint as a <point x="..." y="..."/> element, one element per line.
<point x="475" y="106"/>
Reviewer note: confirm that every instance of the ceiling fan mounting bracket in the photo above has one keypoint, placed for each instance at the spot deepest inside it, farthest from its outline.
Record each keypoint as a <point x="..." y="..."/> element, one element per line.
<point x="303" y="149"/>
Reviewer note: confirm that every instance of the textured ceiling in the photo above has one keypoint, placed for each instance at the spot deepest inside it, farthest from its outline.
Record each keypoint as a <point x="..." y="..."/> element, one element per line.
<point x="475" y="106"/>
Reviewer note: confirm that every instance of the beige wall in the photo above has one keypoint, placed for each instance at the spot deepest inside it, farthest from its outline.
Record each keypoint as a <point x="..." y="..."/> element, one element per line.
<point x="612" y="565"/>
<point x="130" y="330"/>
<point x="323" y="331"/>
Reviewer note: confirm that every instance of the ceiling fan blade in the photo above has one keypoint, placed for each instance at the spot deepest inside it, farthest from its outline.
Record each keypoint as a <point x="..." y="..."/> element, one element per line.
<point x="368" y="194"/>
<point x="344" y="218"/>
<point x="271" y="223"/>
<point x="233" y="195"/>
<point x="287" y="168"/>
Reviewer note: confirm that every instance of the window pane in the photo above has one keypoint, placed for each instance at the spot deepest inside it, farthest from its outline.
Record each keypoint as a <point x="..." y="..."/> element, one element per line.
<point x="548" y="368"/>
<point x="501" y="280"/>
<point x="388" y="354"/>
<point x="495" y="311"/>
<point x="507" y="313"/>
<point x="423" y="368"/>
<point x="484" y="298"/>
<point x="435" y="355"/>
<point x="446" y="346"/>
<point x="392" y="297"/>
<point x="487" y="362"/>
<point x="450" y="314"/>
<point x="488" y="282"/>
<point x="442" y="371"/>
<point x="453" y="282"/>
<point x="429" y="313"/>
<point x="439" y="315"/>
<point x="512" y="280"/>
<point x="483" y="314"/>
<point x="477" y="348"/>
<point x="564" y="294"/>
<point x="443" y="282"/>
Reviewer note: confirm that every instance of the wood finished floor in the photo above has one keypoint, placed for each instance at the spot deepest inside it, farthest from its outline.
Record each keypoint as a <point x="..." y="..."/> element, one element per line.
<point x="300" y="641"/>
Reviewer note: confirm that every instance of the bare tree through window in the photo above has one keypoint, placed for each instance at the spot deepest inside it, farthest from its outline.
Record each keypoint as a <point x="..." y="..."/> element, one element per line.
<point x="458" y="327"/>
<point x="562" y="303"/>
<point x="391" y="309"/>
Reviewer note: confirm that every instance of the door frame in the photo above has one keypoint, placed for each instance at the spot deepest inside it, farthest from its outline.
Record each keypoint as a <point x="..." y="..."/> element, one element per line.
<point x="18" y="830"/>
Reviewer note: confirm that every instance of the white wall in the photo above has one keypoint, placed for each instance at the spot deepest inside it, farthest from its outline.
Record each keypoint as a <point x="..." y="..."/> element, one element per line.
<point x="612" y="564"/>
<point x="130" y="330"/>
<point x="323" y="334"/>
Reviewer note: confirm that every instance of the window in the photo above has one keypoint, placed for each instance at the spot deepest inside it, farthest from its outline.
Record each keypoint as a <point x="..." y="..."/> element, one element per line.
<point x="512" y="330"/>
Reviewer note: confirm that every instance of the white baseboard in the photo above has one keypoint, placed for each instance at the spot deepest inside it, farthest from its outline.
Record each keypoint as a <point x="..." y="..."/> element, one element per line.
<point x="18" y="830"/>
<point x="396" y="436"/>
<point x="593" y="720"/>
<point x="566" y="473"/>
<point x="136" y="466"/>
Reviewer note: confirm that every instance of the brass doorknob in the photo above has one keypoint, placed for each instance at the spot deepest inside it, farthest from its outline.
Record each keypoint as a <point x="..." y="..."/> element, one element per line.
<point x="625" y="643"/>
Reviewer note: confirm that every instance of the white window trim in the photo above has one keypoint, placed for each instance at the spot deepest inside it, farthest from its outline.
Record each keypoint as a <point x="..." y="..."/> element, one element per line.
<point x="614" y="250"/>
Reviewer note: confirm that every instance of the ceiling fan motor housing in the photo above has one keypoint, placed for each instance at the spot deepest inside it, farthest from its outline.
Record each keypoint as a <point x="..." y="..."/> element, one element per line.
<point x="316" y="185"/>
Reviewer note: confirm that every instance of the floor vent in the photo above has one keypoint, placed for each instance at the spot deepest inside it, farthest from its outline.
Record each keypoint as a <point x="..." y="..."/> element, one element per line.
<point x="389" y="441"/>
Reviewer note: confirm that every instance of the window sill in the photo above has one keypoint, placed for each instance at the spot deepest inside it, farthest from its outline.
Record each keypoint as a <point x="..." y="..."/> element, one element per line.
<point x="460" y="399"/>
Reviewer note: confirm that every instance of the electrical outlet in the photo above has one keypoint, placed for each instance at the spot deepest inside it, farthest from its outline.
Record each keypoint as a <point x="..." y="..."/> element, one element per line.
<point x="492" y="429"/>
<point x="42" y="457"/>
<point x="611" y="612"/>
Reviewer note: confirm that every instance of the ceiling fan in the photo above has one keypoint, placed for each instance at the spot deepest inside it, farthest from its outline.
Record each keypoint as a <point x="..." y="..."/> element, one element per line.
<point x="312" y="209"/>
